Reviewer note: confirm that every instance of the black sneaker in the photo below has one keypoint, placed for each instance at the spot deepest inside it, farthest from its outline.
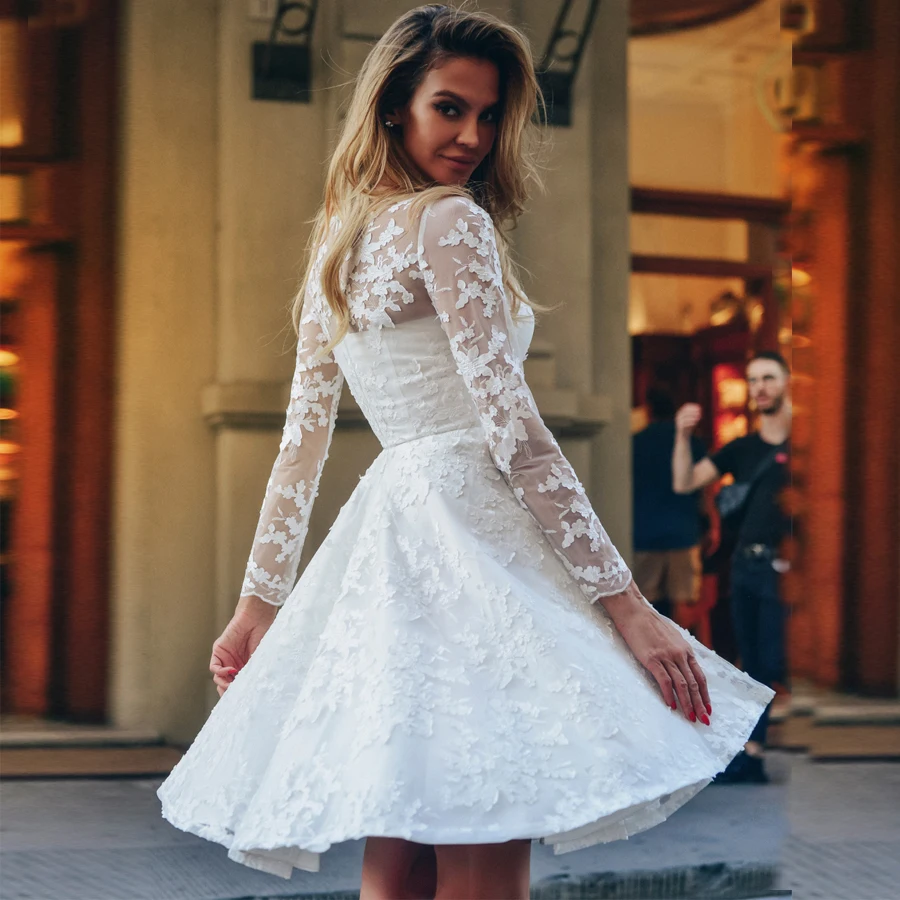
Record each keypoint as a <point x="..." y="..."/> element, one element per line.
<point x="756" y="771"/>
<point x="743" y="769"/>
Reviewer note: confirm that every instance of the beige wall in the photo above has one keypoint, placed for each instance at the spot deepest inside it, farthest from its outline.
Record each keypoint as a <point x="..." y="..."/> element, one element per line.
<point x="217" y="190"/>
<point x="164" y="491"/>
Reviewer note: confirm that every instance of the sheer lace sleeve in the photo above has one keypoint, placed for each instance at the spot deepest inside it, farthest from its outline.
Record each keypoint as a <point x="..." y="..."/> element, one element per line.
<point x="461" y="269"/>
<point x="294" y="482"/>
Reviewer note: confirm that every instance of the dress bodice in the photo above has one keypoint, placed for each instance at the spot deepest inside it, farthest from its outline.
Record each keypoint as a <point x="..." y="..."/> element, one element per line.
<point x="406" y="381"/>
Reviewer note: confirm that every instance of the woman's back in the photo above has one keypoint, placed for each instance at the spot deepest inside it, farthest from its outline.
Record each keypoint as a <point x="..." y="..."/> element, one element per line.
<point x="396" y="358"/>
<point x="433" y="348"/>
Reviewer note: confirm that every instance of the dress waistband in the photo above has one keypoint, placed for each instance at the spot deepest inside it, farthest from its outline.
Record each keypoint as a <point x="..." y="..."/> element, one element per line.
<point x="458" y="429"/>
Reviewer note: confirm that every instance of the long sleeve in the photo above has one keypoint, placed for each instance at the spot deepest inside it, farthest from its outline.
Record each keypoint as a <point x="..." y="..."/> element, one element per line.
<point x="461" y="269"/>
<point x="294" y="481"/>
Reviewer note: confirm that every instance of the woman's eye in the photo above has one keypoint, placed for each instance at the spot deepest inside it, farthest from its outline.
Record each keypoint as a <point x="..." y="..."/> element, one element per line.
<point x="448" y="109"/>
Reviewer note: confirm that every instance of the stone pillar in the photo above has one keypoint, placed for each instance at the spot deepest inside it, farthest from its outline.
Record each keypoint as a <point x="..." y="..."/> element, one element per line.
<point x="609" y="255"/>
<point x="164" y="490"/>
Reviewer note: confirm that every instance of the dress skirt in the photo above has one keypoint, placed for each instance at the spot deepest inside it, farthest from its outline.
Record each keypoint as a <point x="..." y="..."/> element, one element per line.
<point x="436" y="675"/>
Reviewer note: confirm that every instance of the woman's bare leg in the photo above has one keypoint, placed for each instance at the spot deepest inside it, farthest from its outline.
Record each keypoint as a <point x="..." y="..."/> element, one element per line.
<point x="395" y="869"/>
<point x="484" y="871"/>
<point x="421" y="883"/>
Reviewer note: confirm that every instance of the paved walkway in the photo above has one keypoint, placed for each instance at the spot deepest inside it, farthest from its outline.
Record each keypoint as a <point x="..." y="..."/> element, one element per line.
<point x="835" y="826"/>
<point x="844" y="841"/>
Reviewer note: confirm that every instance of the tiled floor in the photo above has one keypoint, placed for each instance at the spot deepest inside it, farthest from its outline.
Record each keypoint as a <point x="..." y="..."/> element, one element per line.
<point x="105" y="840"/>
<point x="845" y="831"/>
<point x="834" y="826"/>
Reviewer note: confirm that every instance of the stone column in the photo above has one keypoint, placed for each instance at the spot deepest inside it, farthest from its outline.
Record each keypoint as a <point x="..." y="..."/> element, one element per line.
<point x="609" y="255"/>
<point x="163" y="517"/>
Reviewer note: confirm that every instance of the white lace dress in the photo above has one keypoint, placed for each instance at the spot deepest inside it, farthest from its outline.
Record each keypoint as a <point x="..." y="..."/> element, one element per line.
<point x="440" y="672"/>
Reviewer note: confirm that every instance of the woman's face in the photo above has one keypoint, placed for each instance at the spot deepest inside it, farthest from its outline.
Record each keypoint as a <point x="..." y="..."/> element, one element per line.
<point x="450" y="123"/>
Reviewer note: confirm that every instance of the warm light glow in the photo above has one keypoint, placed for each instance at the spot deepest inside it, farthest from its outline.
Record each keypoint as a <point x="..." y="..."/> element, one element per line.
<point x="8" y="358"/>
<point x="755" y="314"/>
<point x="8" y="474"/>
<point x="799" y="278"/>
<point x="12" y="88"/>
<point x="13" y="206"/>
<point x="727" y="429"/>
<point x="732" y="393"/>
<point x="11" y="132"/>
<point x="721" y="317"/>
<point x="724" y="308"/>
<point x="7" y="447"/>
<point x="15" y="268"/>
<point x="637" y="308"/>
<point x="8" y="414"/>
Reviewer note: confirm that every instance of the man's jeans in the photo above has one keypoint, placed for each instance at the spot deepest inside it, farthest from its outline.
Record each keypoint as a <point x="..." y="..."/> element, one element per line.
<point x="759" y="617"/>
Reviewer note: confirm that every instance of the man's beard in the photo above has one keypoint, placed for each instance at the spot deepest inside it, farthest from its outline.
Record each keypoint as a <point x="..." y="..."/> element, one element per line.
<point x="775" y="408"/>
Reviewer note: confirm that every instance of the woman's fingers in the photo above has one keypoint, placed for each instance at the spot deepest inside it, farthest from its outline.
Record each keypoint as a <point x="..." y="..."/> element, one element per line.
<point x="687" y="688"/>
<point x="682" y="690"/>
<point x="664" y="680"/>
<point x="697" y="669"/>
<point x="222" y="676"/>
<point x="697" y="703"/>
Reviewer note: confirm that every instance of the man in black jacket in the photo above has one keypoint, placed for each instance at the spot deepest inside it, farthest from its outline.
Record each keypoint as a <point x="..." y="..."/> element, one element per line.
<point x="759" y="460"/>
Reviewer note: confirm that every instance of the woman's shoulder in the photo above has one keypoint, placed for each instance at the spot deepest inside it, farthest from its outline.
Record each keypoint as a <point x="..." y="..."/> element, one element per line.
<point x="433" y="218"/>
<point x="437" y="200"/>
<point x="453" y="219"/>
<point x="452" y="206"/>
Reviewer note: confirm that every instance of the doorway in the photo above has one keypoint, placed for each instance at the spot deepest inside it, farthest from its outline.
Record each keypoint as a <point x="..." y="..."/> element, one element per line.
<point x="57" y="250"/>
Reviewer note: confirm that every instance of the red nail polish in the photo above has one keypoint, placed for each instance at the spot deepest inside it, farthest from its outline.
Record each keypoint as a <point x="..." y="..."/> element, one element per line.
<point x="709" y="708"/>
<point x="674" y="706"/>
<point x="704" y="720"/>
<point x="693" y="716"/>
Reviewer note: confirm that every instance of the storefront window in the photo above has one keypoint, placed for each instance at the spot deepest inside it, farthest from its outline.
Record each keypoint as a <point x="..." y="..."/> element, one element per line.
<point x="10" y="262"/>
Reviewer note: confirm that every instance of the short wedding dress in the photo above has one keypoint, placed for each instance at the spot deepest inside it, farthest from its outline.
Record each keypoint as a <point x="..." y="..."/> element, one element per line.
<point x="441" y="671"/>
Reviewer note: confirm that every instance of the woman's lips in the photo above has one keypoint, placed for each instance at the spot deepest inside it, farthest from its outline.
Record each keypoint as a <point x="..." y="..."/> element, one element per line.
<point x="459" y="165"/>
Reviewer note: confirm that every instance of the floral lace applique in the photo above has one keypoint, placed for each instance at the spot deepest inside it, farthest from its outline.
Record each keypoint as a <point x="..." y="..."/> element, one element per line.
<point x="461" y="267"/>
<point x="294" y="480"/>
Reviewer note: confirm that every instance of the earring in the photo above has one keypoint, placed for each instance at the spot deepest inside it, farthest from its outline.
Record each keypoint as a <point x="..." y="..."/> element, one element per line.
<point x="388" y="123"/>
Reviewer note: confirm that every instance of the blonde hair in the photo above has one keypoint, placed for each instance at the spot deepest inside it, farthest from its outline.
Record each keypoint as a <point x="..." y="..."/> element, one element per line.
<point x="368" y="154"/>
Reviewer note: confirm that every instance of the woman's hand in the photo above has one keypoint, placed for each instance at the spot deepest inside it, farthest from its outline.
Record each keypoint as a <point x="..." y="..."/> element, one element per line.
<point x="234" y="647"/>
<point x="659" y="647"/>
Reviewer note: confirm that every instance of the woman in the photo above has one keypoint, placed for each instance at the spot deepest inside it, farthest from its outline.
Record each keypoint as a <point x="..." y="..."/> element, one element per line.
<point x="465" y="664"/>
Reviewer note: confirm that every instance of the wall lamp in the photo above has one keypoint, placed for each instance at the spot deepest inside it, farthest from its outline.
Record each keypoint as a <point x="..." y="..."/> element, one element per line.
<point x="283" y="72"/>
<point x="559" y="66"/>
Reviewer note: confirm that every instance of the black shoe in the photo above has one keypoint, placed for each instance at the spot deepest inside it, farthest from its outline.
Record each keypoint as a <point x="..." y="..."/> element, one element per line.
<point x="743" y="769"/>
<point x="756" y="771"/>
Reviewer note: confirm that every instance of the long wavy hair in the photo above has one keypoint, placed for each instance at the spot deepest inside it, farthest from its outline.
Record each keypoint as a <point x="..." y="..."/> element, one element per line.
<point x="368" y="155"/>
